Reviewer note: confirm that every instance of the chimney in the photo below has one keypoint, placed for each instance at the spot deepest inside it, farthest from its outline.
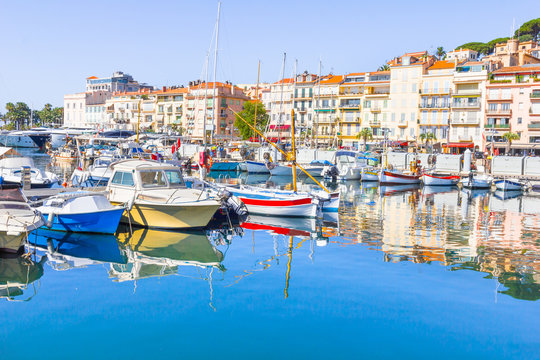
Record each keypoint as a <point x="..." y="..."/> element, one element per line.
<point x="164" y="88"/>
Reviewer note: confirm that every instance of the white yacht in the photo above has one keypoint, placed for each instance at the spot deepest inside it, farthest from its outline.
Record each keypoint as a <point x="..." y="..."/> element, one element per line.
<point x="11" y="172"/>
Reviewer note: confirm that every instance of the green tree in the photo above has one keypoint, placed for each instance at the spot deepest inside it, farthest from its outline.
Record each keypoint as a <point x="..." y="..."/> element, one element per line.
<point x="365" y="134"/>
<point x="248" y="114"/>
<point x="384" y="67"/>
<point x="427" y="138"/>
<point x="49" y="115"/>
<point x="509" y="137"/>
<point x="531" y="27"/>
<point x="440" y="53"/>
<point x="17" y="115"/>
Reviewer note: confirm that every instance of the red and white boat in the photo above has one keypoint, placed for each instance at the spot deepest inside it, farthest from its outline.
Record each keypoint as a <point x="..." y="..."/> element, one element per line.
<point x="395" y="178"/>
<point x="440" y="180"/>
<point x="297" y="206"/>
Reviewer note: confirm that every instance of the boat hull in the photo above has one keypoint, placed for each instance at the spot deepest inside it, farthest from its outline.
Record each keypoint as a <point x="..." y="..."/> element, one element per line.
<point x="170" y="216"/>
<point x="476" y="183"/>
<point x="431" y="180"/>
<point x="368" y="175"/>
<point x="508" y="185"/>
<point x="299" y="207"/>
<point x="22" y="141"/>
<point x="281" y="170"/>
<point x="254" y="167"/>
<point x="12" y="244"/>
<point x="103" y="222"/>
<point x="389" y="178"/>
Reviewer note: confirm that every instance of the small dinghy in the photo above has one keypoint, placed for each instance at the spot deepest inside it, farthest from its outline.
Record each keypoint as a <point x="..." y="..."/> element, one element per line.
<point x="440" y="180"/>
<point x="509" y="185"/>
<point x="81" y="211"/>
<point x="256" y="167"/>
<point x="396" y="178"/>
<point x="295" y="206"/>
<point x="17" y="219"/>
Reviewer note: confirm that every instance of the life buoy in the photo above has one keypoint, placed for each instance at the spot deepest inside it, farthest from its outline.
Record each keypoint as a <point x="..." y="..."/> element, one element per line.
<point x="209" y="162"/>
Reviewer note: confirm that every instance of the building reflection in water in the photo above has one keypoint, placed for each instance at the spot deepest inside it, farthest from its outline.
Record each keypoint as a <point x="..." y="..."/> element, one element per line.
<point x="473" y="230"/>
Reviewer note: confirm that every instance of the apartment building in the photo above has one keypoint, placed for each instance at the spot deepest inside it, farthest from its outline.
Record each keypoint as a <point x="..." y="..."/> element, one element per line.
<point x="468" y="107"/>
<point x="405" y="80"/>
<point x="376" y="112"/>
<point x="514" y="53"/>
<point x="513" y="104"/>
<point x="435" y="99"/>
<point x="326" y="111"/>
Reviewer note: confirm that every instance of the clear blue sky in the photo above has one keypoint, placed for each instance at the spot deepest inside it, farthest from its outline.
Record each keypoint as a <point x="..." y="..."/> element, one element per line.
<point x="48" y="48"/>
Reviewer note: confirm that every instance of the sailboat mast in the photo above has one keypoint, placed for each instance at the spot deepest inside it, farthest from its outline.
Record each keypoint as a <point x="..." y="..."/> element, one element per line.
<point x="215" y="70"/>
<point x="293" y="134"/>
<point x="256" y="99"/>
<point x="281" y="96"/>
<point x="205" y="99"/>
<point x="318" y="105"/>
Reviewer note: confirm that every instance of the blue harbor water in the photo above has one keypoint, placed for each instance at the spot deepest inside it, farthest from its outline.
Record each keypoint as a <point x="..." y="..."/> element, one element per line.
<point x="398" y="272"/>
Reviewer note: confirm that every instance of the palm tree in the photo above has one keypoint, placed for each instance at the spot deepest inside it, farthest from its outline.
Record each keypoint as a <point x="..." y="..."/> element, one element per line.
<point x="509" y="137"/>
<point x="427" y="137"/>
<point x="384" y="67"/>
<point x="365" y="134"/>
<point x="440" y="53"/>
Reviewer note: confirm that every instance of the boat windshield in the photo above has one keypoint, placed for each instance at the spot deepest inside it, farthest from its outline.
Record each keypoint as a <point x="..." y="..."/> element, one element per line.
<point x="174" y="177"/>
<point x="153" y="178"/>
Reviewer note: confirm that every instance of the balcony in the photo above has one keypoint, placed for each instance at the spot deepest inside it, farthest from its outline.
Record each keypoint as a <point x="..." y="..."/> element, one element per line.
<point x="534" y="126"/>
<point x="377" y="94"/>
<point x="535" y="95"/>
<point x="497" y="126"/>
<point x="470" y="92"/>
<point x="465" y="121"/>
<point x="403" y="124"/>
<point x="465" y="105"/>
<point x="435" y="91"/>
<point x="375" y="109"/>
<point x="350" y="106"/>
<point x="500" y="97"/>
<point x="434" y="106"/>
<point x="374" y="123"/>
<point x="507" y="112"/>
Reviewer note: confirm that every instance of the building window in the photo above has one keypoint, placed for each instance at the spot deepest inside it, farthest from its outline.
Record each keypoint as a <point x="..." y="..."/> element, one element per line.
<point x="520" y="120"/>
<point x="520" y="106"/>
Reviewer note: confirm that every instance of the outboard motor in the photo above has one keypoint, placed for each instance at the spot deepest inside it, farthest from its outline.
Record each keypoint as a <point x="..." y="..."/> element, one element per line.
<point x="331" y="172"/>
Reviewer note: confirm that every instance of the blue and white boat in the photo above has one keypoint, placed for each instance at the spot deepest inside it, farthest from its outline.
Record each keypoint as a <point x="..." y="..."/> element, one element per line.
<point x="81" y="211"/>
<point x="509" y="185"/>
<point x="256" y="167"/>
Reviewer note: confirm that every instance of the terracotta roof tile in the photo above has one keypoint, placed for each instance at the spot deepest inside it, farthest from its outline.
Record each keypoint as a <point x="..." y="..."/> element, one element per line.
<point x="443" y="64"/>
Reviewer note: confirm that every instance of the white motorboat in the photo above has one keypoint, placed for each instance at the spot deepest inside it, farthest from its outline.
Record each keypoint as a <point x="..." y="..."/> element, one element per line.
<point x="387" y="177"/>
<point x="11" y="172"/>
<point x="509" y="185"/>
<point x="17" y="219"/>
<point x="440" y="180"/>
<point x="369" y="174"/>
<point x="349" y="165"/>
<point x="59" y="136"/>
<point x="477" y="182"/>
<point x="156" y="196"/>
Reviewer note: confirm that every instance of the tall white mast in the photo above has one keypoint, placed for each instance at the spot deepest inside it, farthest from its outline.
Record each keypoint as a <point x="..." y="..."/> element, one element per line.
<point x="205" y="98"/>
<point x="294" y="93"/>
<point x="281" y="95"/>
<point x="318" y="106"/>
<point x="215" y="70"/>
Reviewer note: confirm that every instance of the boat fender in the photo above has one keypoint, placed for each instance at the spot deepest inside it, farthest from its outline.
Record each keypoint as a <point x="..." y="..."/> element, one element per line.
<point x="129" y="204"/>
<point x="50" y="219"/>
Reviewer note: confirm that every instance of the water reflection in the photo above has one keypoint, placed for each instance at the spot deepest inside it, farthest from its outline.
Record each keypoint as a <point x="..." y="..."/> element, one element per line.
<point x="17" y="275"/>
<point x="465" y="229"/>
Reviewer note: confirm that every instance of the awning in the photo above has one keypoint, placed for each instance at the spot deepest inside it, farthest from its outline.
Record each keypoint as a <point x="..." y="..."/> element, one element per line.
<point x="280" y="127"/>
<point x="459" y="145"/>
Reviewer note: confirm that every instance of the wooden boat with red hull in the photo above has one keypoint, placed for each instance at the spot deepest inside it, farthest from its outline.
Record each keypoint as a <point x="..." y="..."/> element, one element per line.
<point x="440" y="180"/>
<point x="395" y="178"/>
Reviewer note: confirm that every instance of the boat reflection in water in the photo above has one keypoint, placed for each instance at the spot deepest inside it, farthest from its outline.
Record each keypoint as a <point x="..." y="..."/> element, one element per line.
<point x="17" y="274"/>
<point x="67" y="250"/>
<point x="153" y="252"/>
